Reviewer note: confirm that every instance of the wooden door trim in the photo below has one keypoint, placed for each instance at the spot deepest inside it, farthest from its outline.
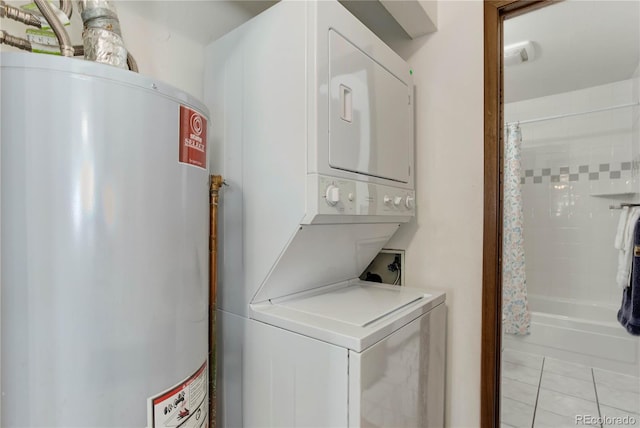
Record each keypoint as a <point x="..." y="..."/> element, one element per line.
<point x="495" y="12"/>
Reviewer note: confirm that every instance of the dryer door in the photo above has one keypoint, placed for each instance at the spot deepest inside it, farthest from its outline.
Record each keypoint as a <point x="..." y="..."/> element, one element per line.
<point x="369" y="115"/>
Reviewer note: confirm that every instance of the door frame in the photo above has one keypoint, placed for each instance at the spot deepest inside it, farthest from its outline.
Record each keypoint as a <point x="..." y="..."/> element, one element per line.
<point x="495" y="12"/>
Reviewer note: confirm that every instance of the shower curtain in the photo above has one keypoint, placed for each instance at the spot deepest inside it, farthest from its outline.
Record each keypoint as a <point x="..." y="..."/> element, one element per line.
<point x="515" y="309"/>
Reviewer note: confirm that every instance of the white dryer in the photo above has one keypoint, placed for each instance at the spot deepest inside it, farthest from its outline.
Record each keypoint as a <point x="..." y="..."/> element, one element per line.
<point x="312" y="127"/>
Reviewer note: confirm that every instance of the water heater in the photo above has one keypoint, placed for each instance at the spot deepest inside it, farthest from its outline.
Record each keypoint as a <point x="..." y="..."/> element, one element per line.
<point x="104" y="247"/>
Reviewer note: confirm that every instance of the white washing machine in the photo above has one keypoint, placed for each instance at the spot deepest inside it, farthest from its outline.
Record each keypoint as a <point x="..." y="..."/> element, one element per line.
<point x="352" y="355"/>
<point x="312" y="128"/>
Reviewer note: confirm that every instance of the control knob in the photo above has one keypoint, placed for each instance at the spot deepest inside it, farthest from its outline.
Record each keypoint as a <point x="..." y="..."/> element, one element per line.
<point x="332" y="195"/>
<point x="408" y="202"/>
<point x="387" y="200"/>
<point x="397" y="201"/>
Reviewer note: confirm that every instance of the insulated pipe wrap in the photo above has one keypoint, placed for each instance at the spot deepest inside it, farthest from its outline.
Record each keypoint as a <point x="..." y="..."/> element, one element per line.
<point x="101" y="36"/>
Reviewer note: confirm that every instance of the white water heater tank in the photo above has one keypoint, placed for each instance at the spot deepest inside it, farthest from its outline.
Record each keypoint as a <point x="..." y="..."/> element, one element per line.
<point x="104" y="248"/>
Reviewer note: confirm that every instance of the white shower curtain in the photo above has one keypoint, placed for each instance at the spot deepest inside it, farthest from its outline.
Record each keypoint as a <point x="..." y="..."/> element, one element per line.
<point x="515" y="309"/>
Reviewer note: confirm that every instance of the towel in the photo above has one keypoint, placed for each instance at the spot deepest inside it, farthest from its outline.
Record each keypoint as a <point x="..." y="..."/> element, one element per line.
<point x="625" y="255"/>
<point x="622" y="224"/>
<point x="629" y="313"/>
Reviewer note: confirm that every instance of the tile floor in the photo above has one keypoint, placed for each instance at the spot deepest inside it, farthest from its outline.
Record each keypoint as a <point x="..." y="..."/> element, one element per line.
<point x="540" y="391"/>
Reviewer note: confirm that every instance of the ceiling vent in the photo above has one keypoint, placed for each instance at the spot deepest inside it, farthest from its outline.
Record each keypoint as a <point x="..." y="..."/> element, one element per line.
<point x="518" y="53"/>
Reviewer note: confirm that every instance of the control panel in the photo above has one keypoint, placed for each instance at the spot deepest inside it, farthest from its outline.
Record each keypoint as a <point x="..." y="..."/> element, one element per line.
<point x="337" y="196"/>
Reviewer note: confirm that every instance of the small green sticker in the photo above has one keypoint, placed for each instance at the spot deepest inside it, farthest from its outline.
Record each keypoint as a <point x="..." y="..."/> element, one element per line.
<point x="411" y="71"/>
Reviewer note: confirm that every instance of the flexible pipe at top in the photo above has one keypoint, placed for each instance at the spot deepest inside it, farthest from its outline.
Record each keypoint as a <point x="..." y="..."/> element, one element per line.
<point x="17" y="14"/>
<point x="66" y="7"/>
<point x="66" y="47"/>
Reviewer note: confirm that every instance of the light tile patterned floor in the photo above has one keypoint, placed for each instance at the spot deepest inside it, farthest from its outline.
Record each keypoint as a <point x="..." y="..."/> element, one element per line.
<point x="540" y="392"/>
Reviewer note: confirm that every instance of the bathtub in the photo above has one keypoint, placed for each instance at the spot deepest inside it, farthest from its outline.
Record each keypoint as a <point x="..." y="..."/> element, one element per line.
<point x="583" y="332"/>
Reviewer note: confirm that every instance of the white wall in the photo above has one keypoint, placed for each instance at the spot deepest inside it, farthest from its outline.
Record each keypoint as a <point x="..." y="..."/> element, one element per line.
<point x="161" y="52"/>
<point x="635" y="127"/>
<point x="444" y="243"/>
<point x="573" y="169"/>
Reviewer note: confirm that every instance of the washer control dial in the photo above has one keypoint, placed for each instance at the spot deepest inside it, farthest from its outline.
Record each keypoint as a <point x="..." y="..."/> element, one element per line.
<point x="387" y="200"/>
<point x="397" y="201"/>
<point x="409" y="202"/>
<point x="332" y="194"/>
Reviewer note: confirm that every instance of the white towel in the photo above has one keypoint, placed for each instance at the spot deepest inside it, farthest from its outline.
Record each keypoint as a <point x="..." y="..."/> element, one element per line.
<point x="622" y="224"/>
<point x="625" y="257"/>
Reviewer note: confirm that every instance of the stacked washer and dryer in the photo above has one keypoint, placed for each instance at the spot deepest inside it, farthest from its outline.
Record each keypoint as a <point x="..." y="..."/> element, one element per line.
<point x="313" y="132"/>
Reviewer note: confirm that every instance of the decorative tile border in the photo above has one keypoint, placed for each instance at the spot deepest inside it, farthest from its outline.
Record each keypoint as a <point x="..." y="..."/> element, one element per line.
<point x="602" y="171"/>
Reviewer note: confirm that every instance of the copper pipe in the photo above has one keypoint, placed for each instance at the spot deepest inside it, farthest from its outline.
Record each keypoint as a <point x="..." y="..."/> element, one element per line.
<point x="216" y="182"/>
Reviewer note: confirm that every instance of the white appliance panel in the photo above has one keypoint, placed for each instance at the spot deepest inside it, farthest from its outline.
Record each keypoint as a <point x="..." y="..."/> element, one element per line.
<point x="104" y="249"/>
<point x="369" y="114"/>
<point x="319" y="255"/>
<point x="293" y="381"/>
<point x="399" y="381"/>
<point x="338" y="325"/>
<point x="355" y="304"/>
<point x="351" y="201"/>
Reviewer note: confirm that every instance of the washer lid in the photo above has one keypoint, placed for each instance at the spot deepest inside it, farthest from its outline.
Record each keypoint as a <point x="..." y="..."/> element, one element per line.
<point x="355" y="304"/>
<point x="354" y="314"/>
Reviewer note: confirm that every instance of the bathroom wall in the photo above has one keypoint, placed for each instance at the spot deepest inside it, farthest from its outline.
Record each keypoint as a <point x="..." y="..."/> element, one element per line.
<point x="573" y="169"/>
<point x="444" y="242"/>
<point x="635" y="128"/>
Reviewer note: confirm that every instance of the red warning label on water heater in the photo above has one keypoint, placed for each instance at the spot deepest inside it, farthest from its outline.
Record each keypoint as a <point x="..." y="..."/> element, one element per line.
<point x="193" y="138"/>
<point x="184" y="405"/>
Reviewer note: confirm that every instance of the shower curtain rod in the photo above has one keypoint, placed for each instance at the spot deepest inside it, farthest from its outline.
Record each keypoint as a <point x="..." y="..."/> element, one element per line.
<point x="560" y="116"/>
<point x="620" y="206"/>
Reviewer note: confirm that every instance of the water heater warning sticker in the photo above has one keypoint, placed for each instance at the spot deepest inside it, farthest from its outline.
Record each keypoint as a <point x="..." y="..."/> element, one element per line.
<point x="185" y="405"/>
<point x="193" y="138"/>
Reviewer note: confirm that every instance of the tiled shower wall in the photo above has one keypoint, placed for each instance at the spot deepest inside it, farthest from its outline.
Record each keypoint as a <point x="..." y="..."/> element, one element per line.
<point x="573" y="169"/>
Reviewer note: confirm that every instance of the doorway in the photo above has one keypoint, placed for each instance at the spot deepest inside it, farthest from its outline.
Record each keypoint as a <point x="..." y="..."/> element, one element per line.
<point x="564" y="165"/>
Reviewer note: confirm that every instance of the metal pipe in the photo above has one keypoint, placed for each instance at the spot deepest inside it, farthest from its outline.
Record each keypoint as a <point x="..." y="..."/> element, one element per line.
<point x="66" y="48"/>
<point x="561" y="116"/>
<point x="216" y="182"/>
<point x="66" y="6"/>
<point x="621" y="206"/>
<point x="19" y="15"/>
<point x="8" y="39"/>
<point x="101" y="36"/>
<point x="131" y="62"/>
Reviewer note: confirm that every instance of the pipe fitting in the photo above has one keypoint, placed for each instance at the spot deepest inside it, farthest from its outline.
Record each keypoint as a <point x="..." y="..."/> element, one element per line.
<point x="17" y="14"/>
<point x="17" y="42"/>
